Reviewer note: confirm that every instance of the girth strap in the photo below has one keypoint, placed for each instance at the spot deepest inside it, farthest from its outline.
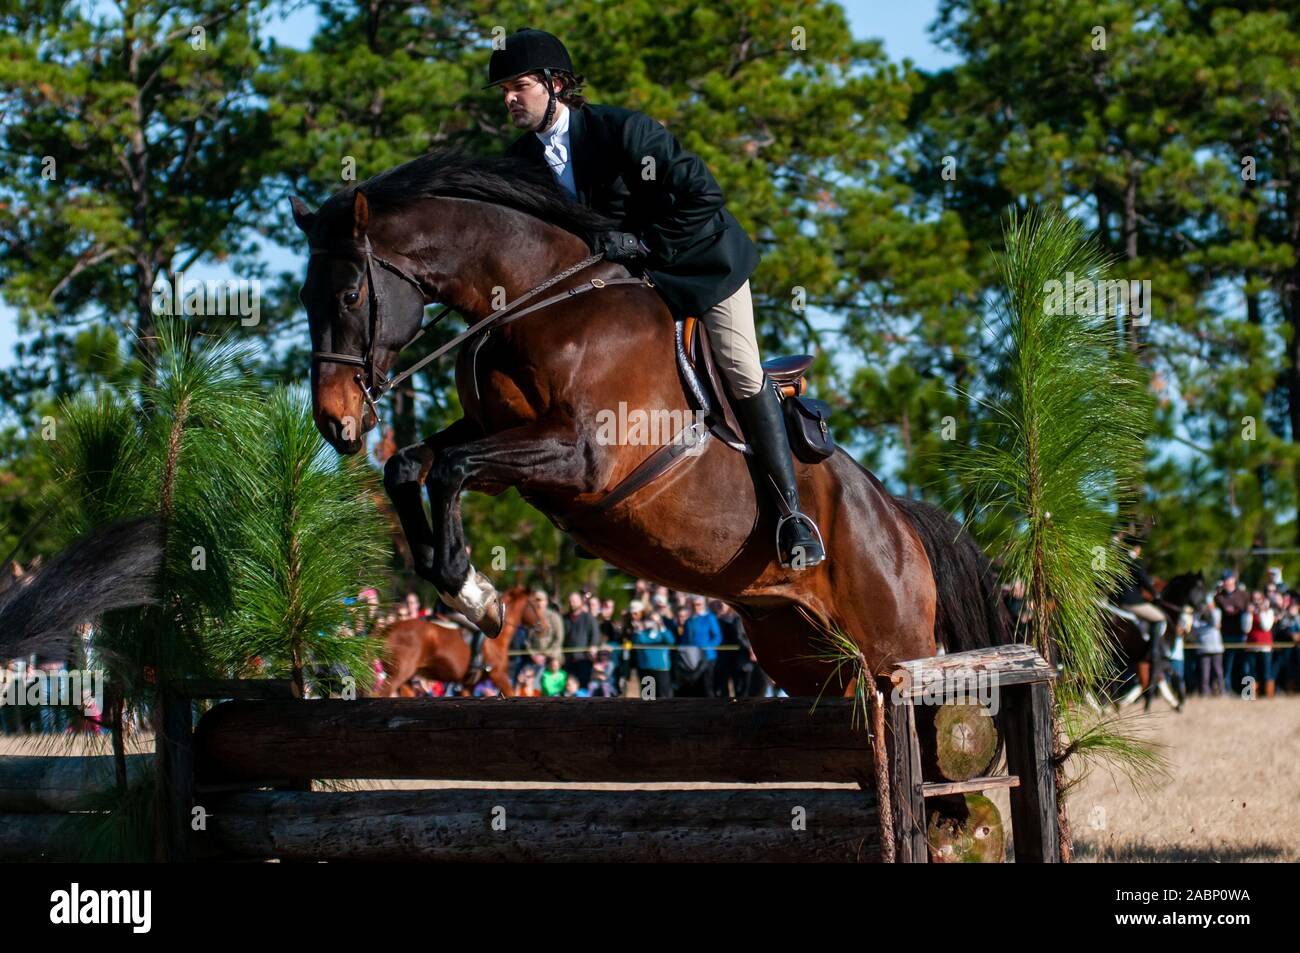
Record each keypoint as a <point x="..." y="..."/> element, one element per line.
<point x="654" y="466"/>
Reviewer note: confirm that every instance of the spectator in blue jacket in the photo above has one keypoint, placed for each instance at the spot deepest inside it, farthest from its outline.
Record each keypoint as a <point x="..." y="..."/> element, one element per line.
<point x="702" y="629"/>
<point x="701" y="635"/>
<point x="653" y="663"/>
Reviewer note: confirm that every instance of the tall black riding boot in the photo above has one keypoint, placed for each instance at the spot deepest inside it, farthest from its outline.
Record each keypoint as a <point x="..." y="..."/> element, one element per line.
<point x="799" y="542"/>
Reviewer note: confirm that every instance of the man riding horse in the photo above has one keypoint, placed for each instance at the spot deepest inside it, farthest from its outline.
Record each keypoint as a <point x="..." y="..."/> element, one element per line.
<point x="676" y="227"/>
<point x="575" y="335"/>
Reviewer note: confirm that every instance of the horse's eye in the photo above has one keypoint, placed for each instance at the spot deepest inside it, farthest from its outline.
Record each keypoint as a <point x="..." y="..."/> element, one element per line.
<point x="351" y="297"/>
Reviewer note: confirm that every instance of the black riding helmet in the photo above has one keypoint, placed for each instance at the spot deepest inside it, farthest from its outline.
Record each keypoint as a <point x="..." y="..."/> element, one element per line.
<point x="530" y="51"/>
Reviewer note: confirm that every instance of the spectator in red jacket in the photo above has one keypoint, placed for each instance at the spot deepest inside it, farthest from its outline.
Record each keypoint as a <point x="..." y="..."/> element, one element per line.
<point x="1260" y="637"/>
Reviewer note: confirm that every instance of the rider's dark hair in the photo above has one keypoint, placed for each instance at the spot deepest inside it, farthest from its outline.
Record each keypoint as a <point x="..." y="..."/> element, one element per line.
<point x="571" y="89"/>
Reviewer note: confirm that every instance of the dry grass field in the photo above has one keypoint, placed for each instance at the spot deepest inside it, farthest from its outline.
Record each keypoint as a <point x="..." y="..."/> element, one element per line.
<point x="1232" y="793"/>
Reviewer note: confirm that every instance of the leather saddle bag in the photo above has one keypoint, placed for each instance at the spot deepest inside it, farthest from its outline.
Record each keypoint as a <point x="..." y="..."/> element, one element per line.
<point x="807" y="422"/>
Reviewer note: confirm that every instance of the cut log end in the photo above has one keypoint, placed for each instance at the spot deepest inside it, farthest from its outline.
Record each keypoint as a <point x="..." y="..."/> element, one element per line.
<point x="958" y="742"/>
<point x="965" y="829"/>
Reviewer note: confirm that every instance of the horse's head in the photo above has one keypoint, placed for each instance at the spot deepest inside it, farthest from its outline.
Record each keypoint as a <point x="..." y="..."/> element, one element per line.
<point x="518" y="609"/>
<point x="1187" y="589"/>
<point x="361" y="309"/>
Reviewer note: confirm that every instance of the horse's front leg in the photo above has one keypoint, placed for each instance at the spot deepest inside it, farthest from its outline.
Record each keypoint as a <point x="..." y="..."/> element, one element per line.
<point x="532" y="458"/>
<point x="404" y="474"/>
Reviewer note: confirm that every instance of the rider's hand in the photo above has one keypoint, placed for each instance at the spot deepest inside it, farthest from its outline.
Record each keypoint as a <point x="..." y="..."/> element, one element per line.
<point x="621" y="246"/>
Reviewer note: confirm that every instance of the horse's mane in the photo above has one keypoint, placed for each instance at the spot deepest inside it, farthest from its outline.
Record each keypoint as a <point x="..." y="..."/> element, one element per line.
<point x="502" y="180"/>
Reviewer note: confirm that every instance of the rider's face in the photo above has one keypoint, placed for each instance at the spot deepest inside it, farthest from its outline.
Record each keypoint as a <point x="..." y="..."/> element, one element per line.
<point x="526" y="99"/>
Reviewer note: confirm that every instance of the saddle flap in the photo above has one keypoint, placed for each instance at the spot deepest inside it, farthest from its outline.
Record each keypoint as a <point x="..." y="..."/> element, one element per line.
<point x="720" y="395"/>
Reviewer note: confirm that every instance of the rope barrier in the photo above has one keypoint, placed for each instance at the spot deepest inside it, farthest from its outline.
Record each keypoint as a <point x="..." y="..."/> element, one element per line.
<point x="626" y="647"/>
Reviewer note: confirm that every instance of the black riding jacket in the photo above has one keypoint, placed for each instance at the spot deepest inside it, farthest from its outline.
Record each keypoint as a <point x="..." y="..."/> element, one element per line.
<point x="699" y="254"/>
<point x="1129" y="593"/>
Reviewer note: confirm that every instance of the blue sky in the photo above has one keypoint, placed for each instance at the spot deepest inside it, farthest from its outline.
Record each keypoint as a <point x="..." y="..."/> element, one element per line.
<point x="902" y="27"/>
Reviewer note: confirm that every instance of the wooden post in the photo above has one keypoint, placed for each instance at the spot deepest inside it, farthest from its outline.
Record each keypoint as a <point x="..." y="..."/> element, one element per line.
<point x="1027" y="724"/>
<point x="532" y="739"/>
<point x="556" y="826"/>
<point x="38" y="784"/>
<point x="254" y="689"/>
<point x="174" y="752"/>
<point x="907" y="801"/>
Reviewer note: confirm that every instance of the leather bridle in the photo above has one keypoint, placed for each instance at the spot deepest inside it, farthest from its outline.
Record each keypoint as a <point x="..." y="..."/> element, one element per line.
<point x="373" y="389"/>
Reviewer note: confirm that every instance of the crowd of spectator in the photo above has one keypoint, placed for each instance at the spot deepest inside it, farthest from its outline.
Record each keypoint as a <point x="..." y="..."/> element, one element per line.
<point x="662" y="643"/>
<point x="1238" y="641"/>
<point x="1242" y="641"/>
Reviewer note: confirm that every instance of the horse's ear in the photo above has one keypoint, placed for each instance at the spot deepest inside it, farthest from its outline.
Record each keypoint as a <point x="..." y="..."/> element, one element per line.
<point x="360" y="214"/>
<point x="303" y="216"/>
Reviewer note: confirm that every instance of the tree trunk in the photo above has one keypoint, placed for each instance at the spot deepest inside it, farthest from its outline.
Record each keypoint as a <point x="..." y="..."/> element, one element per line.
<point x="1131" y="240"/>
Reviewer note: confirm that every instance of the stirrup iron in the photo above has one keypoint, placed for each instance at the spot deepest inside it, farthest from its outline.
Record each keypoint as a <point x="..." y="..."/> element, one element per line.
<point x="807" y="521"/>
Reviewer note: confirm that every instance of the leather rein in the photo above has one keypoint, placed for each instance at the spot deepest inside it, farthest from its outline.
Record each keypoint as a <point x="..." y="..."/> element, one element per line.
<point x="373" y="389"/>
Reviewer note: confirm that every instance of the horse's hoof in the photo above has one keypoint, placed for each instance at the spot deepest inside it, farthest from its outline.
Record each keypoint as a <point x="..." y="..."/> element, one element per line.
<point x="492" y="618"/>
<point x="493" y="615"/>
<point x="479" y="602"/>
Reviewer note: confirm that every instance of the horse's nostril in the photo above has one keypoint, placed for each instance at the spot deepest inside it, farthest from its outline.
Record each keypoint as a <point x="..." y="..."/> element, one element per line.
<point x="332" y="430"/>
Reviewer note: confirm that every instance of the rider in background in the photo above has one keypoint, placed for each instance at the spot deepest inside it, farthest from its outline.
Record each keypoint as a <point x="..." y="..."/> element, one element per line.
<point x="1131" y="595"/>
<point x="625" y="164"/>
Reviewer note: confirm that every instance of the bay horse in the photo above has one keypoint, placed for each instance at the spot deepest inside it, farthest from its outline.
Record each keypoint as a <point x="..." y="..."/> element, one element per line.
<point x="436" y="648"/>
<point x="477" y="234"/>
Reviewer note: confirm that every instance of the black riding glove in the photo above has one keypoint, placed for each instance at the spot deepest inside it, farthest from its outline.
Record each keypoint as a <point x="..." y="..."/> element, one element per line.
<point x="621" y="246"/>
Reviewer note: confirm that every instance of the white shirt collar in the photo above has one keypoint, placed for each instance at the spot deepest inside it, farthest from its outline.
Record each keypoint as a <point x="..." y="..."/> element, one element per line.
<point x="559" y="128"/>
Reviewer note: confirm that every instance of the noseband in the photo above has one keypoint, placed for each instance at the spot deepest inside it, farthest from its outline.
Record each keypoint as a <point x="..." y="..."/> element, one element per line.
<point x="373" y="390"/>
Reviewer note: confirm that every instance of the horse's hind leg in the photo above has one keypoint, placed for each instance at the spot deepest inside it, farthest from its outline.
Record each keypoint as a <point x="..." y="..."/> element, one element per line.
<point x="399" y="673"/>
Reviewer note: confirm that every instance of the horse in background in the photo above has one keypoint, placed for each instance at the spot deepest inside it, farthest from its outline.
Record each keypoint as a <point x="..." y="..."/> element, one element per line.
<point x="437" y="649"/>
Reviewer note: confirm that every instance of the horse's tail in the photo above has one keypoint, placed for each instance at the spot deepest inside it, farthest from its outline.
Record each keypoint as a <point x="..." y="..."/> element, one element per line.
<point x="113" y="568"/>
<point x="969" y="613"/>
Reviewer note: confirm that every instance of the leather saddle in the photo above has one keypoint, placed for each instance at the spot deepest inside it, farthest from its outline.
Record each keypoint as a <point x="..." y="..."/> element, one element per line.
<point x="704" y="383"/>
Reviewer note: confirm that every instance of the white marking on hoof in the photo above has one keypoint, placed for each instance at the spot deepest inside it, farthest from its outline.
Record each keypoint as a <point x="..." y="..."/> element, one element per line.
<point x="479" y="602"/>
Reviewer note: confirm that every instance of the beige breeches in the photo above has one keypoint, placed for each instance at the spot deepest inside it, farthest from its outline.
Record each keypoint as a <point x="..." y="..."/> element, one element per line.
<point x="730" y="325"/>
<point x="1145" y="610"/>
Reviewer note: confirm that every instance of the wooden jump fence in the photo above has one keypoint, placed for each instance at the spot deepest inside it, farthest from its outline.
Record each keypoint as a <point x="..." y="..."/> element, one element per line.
<point x="245" y="772"/>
